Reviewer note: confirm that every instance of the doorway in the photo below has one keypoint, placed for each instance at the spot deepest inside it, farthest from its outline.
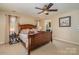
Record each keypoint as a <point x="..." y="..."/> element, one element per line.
<point x="48" y="26"/>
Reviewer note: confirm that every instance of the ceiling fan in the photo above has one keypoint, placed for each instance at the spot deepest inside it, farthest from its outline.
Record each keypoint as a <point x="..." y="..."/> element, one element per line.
<point x="46" y="9"/>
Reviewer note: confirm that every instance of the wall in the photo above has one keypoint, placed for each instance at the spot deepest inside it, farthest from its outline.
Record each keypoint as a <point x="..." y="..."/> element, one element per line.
<point x="26" y="20"/>
<point x="2" y="28"/>
<point x="4" y="24"/>
<point x="43" y="22"/>
<point x="67" y="34"/>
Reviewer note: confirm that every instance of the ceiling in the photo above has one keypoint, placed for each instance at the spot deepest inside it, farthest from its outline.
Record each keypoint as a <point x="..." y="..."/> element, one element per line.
<point x="29" y="8"/>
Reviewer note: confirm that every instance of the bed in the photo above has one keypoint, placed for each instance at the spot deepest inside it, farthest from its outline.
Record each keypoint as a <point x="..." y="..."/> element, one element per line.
<point x="32" y="40"/>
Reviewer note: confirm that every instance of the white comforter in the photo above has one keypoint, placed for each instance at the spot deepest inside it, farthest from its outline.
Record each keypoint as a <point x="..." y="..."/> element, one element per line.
<point x="24" y="35"/>
<point x="24" y="38"/>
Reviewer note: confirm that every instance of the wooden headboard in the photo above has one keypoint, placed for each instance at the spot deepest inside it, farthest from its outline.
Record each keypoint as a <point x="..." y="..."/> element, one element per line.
<point x="26" y="26"/>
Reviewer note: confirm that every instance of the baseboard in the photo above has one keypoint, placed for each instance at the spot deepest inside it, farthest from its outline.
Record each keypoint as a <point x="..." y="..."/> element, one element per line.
<point x="2" y="43"/>
<point x="67" y="41"/>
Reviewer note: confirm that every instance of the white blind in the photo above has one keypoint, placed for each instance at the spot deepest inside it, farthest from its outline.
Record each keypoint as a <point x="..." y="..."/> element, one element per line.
<point x="12" y="24"/>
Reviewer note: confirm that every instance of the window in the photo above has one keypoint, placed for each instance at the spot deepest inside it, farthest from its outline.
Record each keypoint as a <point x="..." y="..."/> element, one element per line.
<point x="13" y="23"/>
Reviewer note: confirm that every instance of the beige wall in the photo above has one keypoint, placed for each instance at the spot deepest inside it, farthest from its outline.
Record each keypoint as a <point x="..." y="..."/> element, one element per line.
<point x="2" y="28"/>
<point x="68" y="34"/>
<point x="42" y="24"/>
<point x="26" y="20"/>
<point x="4" y="24"/>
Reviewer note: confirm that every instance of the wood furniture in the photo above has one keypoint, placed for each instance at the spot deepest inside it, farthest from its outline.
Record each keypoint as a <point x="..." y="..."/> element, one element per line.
<point x="25" y="26"/>
<point x="36" y="40"/>
<point x="40" y="39"/>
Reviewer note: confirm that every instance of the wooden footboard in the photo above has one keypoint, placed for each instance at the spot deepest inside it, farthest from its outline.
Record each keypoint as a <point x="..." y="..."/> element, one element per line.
<point x="39" y="39"/>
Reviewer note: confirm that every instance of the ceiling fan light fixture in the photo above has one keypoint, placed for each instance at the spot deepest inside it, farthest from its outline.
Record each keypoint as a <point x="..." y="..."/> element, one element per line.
<point x="46" y="9"/>
<point x="46" y="12"/>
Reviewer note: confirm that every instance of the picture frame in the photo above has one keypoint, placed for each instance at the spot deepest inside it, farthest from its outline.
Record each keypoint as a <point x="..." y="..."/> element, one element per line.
<point x="65" y="21"/>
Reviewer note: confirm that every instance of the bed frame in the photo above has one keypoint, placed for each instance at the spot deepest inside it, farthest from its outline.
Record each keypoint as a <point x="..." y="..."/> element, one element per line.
<point x="36" y="40"/>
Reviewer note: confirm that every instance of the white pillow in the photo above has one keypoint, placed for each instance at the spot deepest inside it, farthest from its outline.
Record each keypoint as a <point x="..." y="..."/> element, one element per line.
<point x="34" y="30"/>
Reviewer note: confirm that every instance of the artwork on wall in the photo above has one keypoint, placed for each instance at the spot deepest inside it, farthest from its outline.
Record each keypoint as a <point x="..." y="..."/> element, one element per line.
<point x="65" y="21"/>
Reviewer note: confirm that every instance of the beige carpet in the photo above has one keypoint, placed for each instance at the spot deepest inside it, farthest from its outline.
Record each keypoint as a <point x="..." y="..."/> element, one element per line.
<point x="14" y="49"/>
<point x="54" y="48"/>
<point x="57" y="48"/>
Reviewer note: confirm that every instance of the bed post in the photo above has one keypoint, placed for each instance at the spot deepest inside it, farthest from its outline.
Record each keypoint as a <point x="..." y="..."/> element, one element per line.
<point x="51" y="36"/>
<point x="28" y="51"/>
<point x="29" y="42"/>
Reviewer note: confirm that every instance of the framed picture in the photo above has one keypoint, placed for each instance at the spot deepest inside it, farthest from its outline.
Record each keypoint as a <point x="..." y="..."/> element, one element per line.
<point x="65" y="21"/>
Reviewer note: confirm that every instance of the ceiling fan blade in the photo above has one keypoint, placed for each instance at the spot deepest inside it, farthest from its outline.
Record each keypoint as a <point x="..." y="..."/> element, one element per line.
<point x="53" y="10"/>
<point x="38" y="8"/>
<point x="50" y="5"/>
<point x="41" y="12"/>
